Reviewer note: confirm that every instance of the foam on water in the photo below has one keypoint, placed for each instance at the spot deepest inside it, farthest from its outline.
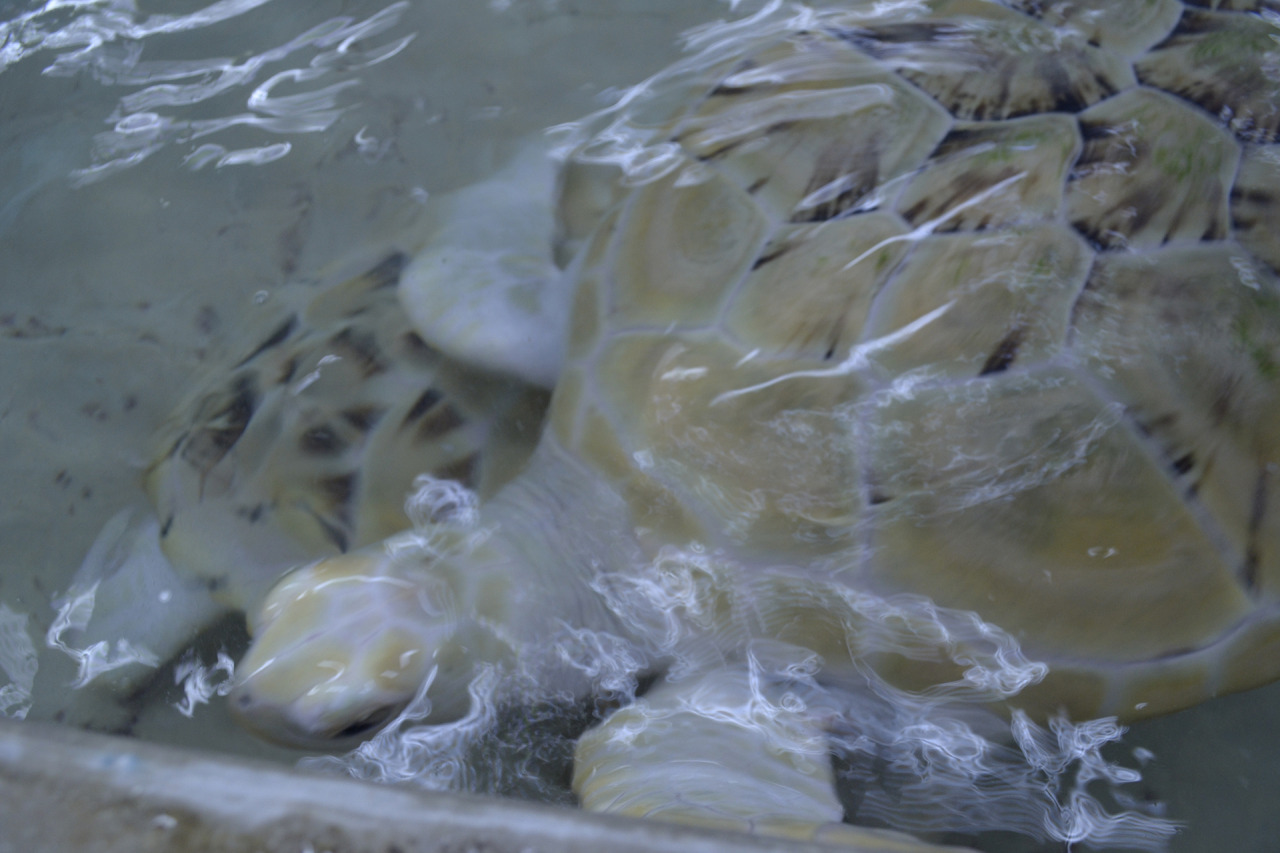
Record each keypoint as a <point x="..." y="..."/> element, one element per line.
<point x="436" y="501"/>
<point x="935" y="759"/>
<point x="903" y="752"/>
<point x="201" y="682"/>
<point x="432" y="757"/>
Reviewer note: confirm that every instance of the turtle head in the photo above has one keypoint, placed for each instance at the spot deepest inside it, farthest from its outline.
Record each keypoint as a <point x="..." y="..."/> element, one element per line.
<point x="343" y="645"/>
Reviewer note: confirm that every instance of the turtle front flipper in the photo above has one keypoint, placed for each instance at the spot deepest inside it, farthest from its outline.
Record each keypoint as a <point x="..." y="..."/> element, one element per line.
<point x="716" y="751"/>
<point x="342" y="646"/>
<point x="126" y="612"/>
<point x="486" y="288"/>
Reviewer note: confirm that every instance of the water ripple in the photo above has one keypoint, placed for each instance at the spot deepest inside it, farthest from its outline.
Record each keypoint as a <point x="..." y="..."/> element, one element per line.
<point x="105" y="40"/>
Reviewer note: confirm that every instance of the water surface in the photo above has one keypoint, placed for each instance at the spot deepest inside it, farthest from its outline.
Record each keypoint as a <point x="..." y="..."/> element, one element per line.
<point x="167" y="170"/>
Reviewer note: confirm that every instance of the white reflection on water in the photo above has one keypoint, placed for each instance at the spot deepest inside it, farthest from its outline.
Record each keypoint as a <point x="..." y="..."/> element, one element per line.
<point x="105" y="39"/>
<point x="432" y="757"/>
<point x="628" y="133"/>
<point x="96" y="622"/>
<point x="96" y="22"/>
<point x="201" y="682"/>
<point x="75" y="609"/>
<point x="931" y="760"/>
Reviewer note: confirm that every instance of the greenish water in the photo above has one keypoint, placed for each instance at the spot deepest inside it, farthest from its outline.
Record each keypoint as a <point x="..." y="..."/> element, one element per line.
<point x="157" y="193"/>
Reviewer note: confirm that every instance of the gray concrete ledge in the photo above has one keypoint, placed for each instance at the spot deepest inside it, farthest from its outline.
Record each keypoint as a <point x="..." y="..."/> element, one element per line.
<point x="67" y="790"/>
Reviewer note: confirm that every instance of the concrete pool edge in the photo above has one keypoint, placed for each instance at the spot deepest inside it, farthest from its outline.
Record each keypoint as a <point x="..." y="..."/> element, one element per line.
<point x="68" y="790"/>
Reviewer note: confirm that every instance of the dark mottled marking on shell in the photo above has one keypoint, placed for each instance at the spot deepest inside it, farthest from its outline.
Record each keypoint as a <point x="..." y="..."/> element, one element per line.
<point x="438" y="422"/>
<point x="1220" y="408"/>
<point x="1261" y="198"/>
<point x="1236" y="5"/>
<point x="332" y="532"/>
<point x="1096" y="245"/>
<point x="1093" y="132"/>
<point x="1004" y="353"/>
<point x="417" y="349"/>
<point x="984" y="83"/>
<point x="960" y="140"/>
<point x="277" y="337"/>
<point x="286" y="371"/>
<point x="853" y="168"/>
<point x="708" y="156"/>
<point x="176" y="448"/>
<point x="1162" y="422"/>
<point x="205" y="447"/>
<point x="363" y="418"/>
<point x="322" y="440"/>
<point x="465" y="471"/>
<point x="909" y="33"/>
<point x="340" y="488"/>
<point x="962" y="188"/>
<point x="1184" y="464"/>
<point x="774" y="255"/>
<point x="1065" y="97"/>
<point x="1254" y="209"/>
<point x="1192" y="23"/>
<point x="1135" y="203"/>
<point x="724" y="90"/>
<point x="1252" y="555"/>
<point x="340" y="491"/>
<point x="252" y="514"/>
<point x="388" y="271"/>
<point x="1081" y="303"/>
<point x="363" y="349"/>
<point x="1226" y="81"/>
<point x="1138" y="204"/>
<point x="425" y="401"/>
<point x="1206" y="467"/>
<point x="166" y="526"/>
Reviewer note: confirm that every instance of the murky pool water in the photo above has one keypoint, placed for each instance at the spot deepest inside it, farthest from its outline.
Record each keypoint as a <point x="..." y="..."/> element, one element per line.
<point x="169" y="169"/>
<point x="171" y="172"/>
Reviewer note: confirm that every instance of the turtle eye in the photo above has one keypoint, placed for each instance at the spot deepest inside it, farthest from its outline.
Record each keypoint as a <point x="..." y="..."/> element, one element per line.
<point x="370" y="722"/>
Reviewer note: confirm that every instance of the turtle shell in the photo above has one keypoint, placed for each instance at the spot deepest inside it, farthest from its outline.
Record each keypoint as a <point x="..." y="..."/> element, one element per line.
<point x="979" y="303"/>
<point x="311" y="444"/>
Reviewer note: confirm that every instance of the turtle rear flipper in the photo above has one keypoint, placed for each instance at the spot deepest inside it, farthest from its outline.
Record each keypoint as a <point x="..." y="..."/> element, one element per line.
<point x="486" y="289"/>
<point x="705" y="752"/>
<point x="126" y="613"/>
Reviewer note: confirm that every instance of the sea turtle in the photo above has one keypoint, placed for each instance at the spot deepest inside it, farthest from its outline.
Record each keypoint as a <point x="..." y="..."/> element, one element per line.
<point x="306" y="447"/>
<point x="311" y="444"/>
<point x="928" y="349"/>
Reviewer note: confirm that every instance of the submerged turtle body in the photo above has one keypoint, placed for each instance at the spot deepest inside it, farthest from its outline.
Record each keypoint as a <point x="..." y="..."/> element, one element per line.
<point x="974" y="305"/>
<point x="311" y="445"/>
<point x="1001" y="328"/>
<point x="307" y="448"/>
